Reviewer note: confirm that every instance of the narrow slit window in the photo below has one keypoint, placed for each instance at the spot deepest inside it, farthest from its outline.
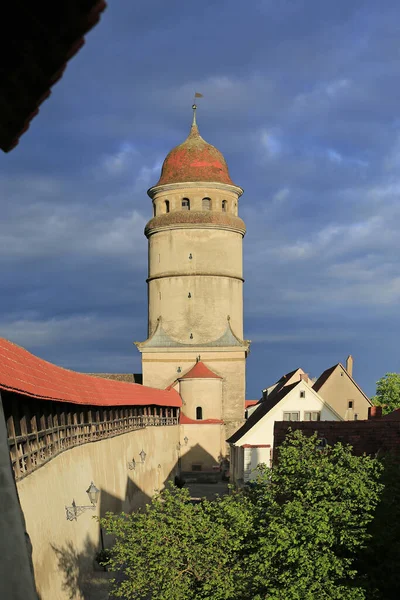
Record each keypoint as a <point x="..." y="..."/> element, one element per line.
<point x="167" y="206"/>
<point x="206" y="204"/>
<point x="199" y="413"/>
<point x="224" y="205"/>
<point x="154" y="209"/>
<point x="185" y="204"/>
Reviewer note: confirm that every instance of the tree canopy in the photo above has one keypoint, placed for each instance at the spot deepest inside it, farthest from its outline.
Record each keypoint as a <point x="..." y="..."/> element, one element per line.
<point x="388" y="392"/>
<point x="294" y="534"/>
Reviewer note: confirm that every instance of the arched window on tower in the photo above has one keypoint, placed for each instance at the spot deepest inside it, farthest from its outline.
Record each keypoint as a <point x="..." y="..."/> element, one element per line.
<point x="199" y="413"/>
<point x="224" y="205"/>
<point x="206" y="204"/>
<point x="185" y="204"/>
<point x="167" y="206"/>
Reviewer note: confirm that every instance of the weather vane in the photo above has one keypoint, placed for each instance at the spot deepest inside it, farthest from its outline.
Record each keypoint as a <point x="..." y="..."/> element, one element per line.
<point x="194" y="106"/>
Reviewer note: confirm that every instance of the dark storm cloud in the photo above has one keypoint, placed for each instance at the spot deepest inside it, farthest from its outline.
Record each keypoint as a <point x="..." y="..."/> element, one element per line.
<point x="302" y="99"/>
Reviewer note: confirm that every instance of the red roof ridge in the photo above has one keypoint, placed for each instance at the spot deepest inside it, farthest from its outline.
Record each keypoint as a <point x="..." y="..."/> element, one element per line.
<point x="185" y="420"/>
<point x="251" y="402"/>
<point x="25" y="373"/>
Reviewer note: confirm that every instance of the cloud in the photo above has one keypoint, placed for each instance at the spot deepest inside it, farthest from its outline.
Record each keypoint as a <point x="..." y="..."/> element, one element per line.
<point x="119" y="162"/>
<point x="303" y="104"/>
<point x="270" y="143"/>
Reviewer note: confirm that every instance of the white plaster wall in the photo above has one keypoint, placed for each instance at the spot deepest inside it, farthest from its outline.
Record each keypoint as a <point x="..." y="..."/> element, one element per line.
<point x="45" y="493"/>
<point x="204" y="314"/>
<point x="206" y="393"/>
<point x="252" y="458"/>
<point x="160" y="370"/>
<point x="263" y="431"/>
<point x="338" y="390"/>
<point x="205" y="445"/>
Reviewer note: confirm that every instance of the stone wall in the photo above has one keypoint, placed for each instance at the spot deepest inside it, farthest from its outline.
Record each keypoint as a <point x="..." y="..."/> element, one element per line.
<point x="64" y="551"/>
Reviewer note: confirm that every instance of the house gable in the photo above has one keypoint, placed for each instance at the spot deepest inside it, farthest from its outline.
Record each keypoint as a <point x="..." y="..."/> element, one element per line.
<point x="339" y="389"/>
<point x="259" y="428"/>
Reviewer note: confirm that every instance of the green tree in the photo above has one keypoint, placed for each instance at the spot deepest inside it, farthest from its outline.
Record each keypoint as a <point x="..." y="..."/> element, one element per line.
<point x="311" y="516"/>
<point x="380" y="561"/>
<point x="294" y="535"/>
<point x="175" y="550"/>
<point x="388" y="392"/>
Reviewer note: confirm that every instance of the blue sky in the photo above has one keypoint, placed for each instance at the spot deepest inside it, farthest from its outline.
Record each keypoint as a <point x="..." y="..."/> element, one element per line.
<point x="302" y="98"/>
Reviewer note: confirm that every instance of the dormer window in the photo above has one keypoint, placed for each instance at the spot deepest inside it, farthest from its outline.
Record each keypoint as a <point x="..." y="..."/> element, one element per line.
<point x="185" y="204"/>
<point x="206" y="204"/>
<point x="224" y="205"/>
<point x="167" y="206"/>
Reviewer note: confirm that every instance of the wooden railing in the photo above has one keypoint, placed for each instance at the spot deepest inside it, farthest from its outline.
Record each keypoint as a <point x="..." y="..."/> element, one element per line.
<point x="32" y="446"/>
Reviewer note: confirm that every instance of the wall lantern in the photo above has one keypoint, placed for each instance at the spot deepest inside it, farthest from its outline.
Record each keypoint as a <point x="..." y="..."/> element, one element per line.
<point x="74" y="511"/>
<point x="142" y="455"/>
<point x="132" y="464"/>
<point x="186" y="439"/>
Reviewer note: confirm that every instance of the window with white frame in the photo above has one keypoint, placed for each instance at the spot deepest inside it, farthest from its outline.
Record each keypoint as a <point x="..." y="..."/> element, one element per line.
<point x="312" y="415"/>
<point x="291" y="416"/>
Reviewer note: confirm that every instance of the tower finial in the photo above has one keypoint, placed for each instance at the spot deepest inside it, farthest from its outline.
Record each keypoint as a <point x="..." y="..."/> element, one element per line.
<point x="197" y="95"/>
<point x="194" y="107"/>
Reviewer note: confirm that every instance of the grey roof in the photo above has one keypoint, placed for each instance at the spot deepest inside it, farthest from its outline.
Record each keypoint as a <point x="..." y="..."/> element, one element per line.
<point x="161" y="339"/>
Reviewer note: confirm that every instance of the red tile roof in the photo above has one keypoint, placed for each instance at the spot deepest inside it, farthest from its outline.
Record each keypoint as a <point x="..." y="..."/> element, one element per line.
<point x="22" y="372"/>
<point x="248" y="403"/>
<point x="194" y="160"/>
<point x="184" y="420"/>
<point x="36" y="41"/>
<point x="200" y="371"/>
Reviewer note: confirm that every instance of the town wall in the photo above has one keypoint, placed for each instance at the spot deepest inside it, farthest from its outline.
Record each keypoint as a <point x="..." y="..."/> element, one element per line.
<point x="64" y="551"/>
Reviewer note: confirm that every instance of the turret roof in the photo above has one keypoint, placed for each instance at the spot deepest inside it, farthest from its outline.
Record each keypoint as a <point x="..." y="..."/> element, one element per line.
<point x="200" y="371"/>
<point x="194" y="160"/>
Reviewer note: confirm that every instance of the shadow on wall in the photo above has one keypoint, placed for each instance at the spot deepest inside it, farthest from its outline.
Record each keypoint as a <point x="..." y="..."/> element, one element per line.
<point x="77" y="568"/>
<point x="82" y="576"/>
<point x="198" y="464"/>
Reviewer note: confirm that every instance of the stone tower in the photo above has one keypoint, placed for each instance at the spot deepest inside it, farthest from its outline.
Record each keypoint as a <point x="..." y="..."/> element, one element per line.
<point x="195" y="280"/>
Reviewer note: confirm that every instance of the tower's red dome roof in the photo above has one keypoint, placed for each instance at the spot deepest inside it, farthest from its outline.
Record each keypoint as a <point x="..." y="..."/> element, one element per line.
<point x="194" y="160"/>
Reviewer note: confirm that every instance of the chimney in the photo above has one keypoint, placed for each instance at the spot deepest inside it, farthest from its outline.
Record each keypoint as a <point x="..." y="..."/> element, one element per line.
<point x="374" y="412"/>
<point x="349" y="365"/>
<point x="304" y="377"/>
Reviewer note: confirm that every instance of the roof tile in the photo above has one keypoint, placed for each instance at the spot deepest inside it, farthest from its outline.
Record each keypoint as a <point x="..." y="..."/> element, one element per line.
<point x="27" y="374"/>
